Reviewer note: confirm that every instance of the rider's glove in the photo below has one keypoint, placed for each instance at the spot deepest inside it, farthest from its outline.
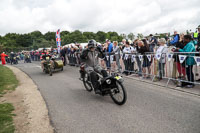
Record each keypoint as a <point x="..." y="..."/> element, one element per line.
<point x="98" y="49"/>
<point x="84" y="54"/>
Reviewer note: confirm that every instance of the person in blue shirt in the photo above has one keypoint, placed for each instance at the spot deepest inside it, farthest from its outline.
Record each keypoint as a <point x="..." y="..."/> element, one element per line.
<point x="109" y="52"/>
<point x="152" y="43"/>
<point x="189" y="47"/>
<point x="175" y="39"/>
<point x="110" y="47"/>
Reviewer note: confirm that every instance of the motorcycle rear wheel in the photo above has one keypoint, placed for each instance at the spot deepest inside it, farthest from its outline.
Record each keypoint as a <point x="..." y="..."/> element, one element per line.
<point x="87" y="85"/>
<point x="50" y="71"/>
<point x="119" y="95"/>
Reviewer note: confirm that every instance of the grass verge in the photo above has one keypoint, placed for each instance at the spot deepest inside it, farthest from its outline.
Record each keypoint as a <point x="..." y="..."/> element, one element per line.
<point x="6" y="120"/>
<point x="8" y="82"/>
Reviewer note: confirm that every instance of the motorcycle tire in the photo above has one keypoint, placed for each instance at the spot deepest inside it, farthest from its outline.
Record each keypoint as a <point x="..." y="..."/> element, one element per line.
<point x="116" y="91"/>
<point x="87" y="85"/>
<point x="50" y="72"/>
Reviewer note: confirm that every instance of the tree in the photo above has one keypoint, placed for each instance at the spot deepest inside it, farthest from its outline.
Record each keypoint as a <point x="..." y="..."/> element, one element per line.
<point x="101" y="36"/>
<point x="140" y="36"/>
<point x="131" y="36"/>
<point x="50" y="36"/>
<point x="123" y="36"/>
<point x="89" y="35"/>
<point x="36" y="39"/>
<point x="36" y="34"/>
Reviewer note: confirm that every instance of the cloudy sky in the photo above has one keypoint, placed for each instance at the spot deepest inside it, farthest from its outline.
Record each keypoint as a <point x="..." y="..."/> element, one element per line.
<point x="123" y="16"/>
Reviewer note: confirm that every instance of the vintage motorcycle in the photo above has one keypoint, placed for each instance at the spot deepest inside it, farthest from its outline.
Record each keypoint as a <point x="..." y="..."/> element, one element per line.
<point x="27" y="59"/>
<point x="58" y="64"/>
<point x="111" y="85"/>
<point x="15" y="61"/>
<point x="8" y="59"/>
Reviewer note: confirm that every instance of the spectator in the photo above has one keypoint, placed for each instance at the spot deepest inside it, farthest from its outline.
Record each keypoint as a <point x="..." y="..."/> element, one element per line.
<point x="167" y="39"/>
<point x="22" y="56"/>
<point x="122" y="48"/>
<point x="63" y="55"/>
<point x="198" y="43"/>
<point x="72" y="56"/>
<point x="32" y="53"/>
<point x="176" y="39"/>
<point x="180" y="67"/>
<point x="189" y="47"/>
<point x="128" y="58"/>
<point x="137" y="59"/>
<point x="142" y="49"/>
<point x="162" y="50"/>
<point x="153" y="43"/>
<point x="116" y="52"/>
<point x="176" y="64"/>
<point x="109" y="50"/>
<point x="198" y="39"/>
<point x="78" y="53"/>
<point x="102" y="60"/>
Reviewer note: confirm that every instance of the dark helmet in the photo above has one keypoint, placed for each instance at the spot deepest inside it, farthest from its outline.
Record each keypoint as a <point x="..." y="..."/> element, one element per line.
<point x="92" y="44"/>
<point x="44" y="49"/>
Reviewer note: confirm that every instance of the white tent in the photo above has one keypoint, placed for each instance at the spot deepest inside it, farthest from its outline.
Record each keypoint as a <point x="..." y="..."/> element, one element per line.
<point x="72" y="44"/>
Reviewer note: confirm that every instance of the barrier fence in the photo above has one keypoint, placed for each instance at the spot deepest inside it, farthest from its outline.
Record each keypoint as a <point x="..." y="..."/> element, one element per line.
<point x="174" y="66"/>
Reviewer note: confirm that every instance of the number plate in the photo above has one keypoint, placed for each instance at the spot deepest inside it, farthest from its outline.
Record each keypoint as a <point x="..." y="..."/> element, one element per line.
<point x="118" y="77"/>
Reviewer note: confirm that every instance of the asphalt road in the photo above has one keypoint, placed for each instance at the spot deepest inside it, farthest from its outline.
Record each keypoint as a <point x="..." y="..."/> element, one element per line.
<point x="149" y="108"/>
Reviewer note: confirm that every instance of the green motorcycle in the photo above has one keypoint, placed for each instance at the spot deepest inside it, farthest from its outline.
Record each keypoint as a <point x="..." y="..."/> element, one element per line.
<point x="57" y="65"/>
<point x="47" y="66"/>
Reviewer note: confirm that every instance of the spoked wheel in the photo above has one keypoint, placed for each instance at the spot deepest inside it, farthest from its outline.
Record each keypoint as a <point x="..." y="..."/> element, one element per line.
<point x="87" y="85"/>
<point x="118" y="94"/>
<point x="50" y="71"/>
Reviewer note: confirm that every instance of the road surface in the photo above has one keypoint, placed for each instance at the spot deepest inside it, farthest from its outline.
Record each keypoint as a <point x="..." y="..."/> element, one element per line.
<point x="149" y="108"/>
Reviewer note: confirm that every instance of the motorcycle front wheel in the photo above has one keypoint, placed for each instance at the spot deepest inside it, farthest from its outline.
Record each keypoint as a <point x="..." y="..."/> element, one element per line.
<point x="86" y="83"/>
<point x="50" y="71"/>
<point x="118" y="94"/>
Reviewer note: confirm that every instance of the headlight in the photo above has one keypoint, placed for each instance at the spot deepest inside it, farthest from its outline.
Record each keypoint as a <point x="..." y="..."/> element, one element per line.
<point x="108" y="81"/>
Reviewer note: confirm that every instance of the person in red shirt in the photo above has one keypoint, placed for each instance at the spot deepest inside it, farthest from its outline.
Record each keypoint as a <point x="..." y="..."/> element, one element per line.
<point x="3" y="55"/>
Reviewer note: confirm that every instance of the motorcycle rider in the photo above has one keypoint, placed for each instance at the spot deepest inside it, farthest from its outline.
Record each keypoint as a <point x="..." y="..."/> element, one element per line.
<point x="27" y="57"/>
<point x="44" y="60"/>
<point x="12" y="55"/>
<point x="90" y="56"/>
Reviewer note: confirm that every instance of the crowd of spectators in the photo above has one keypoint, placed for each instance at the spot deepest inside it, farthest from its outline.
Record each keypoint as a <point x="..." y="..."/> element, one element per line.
<point x="123" y="57"/>
<point x="145" y="57"/>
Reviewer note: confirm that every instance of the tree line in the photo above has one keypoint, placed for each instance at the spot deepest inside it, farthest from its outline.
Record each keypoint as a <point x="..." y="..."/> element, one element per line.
<point x="36" y="39"/>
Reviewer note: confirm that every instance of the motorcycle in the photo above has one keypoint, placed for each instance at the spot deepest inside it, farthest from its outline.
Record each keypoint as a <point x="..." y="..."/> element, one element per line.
<point x="27" y="59"/>
<point x="58" y="64"/>
<point x="15" y="61"/>
<point x="18" y="58"/>
<point x="111" y="85"/>
<point x="8" y="59"/>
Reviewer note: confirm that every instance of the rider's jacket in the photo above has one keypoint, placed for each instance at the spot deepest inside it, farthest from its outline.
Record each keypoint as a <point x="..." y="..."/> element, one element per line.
<point x="91" y="58"/>
<point x="45" y="55"/>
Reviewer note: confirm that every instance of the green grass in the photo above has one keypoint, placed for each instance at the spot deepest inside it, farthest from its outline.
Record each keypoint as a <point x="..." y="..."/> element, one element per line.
<point x="8" y="82"/>
<point x="6" y="120"/>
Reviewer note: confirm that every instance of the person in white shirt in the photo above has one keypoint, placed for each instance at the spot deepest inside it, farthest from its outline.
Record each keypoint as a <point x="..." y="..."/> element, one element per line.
<point x="128" y="58"/>
<point x="161" y="57"/>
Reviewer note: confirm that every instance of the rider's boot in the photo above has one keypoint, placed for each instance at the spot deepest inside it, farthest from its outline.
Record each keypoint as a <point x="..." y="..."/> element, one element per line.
<point x="97" y="89"/>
